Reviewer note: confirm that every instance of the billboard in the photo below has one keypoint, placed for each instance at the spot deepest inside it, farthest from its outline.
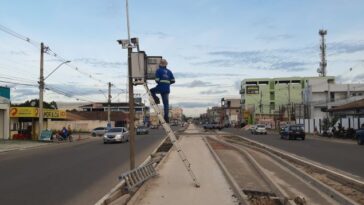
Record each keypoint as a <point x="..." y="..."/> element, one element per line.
<point x="252" y="89"/>
<point x="33" y="112"/>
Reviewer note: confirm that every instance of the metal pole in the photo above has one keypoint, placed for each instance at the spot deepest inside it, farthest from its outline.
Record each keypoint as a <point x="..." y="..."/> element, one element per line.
<point x="41" y="90"/>
<point x="131" y="113"/>
<point x="108" y="105"/>
<point x="131" y="97"/>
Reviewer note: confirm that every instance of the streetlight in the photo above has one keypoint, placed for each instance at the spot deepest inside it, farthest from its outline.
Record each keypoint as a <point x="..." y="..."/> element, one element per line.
<point x="56" y="69"/>
<point x="41" y="89"/>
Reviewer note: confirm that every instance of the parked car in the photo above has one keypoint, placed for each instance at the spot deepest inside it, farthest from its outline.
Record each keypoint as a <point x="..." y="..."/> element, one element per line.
<point x="142" y="130"/>
<point x="99" y="131"/>
<point x="116" y="134"/>
<point x="293" y="132"/>
<point x="360" y="136"/>
<point x="260" y="129"/>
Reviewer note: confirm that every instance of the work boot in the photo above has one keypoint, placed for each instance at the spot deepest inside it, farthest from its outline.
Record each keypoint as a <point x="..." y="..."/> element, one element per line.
<point x="157" y="101"/>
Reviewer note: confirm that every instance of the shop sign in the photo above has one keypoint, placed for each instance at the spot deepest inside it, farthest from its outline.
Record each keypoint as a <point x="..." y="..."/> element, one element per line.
<point x="23" y="112"/>
<point x="252" y="89"/>
<point x="33" y="112"/>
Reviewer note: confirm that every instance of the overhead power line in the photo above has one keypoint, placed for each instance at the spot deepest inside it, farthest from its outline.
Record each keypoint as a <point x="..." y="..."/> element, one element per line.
<point x="49" y="51"/>
<point x="19" y="36"/>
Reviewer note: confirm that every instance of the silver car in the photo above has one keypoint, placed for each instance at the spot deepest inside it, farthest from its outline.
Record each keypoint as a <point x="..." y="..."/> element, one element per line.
<point x="142" y="130"/>
<point x="116" y="134"/>
<point x="260" y="129"/>
<point x="98" y="131"/>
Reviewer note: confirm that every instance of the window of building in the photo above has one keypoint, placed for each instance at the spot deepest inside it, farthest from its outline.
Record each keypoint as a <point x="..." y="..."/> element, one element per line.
<point x="332" y="97"/>
<point x="272" y="95"/>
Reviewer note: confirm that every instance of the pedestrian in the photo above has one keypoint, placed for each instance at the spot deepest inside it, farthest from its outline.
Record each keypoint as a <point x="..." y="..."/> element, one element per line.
<point x="64" y="133"/>
<point x="164" y="78"/>
<point x="69" y="133"/>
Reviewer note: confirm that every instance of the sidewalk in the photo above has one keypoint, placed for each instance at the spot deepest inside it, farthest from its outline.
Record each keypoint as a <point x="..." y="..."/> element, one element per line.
<point x="11" y="145"/>
<point x="174" y="185"/>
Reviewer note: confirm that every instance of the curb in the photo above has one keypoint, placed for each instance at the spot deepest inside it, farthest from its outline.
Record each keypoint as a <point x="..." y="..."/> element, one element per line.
<point x="283" y="157"/>
<point x="234" y="185"/>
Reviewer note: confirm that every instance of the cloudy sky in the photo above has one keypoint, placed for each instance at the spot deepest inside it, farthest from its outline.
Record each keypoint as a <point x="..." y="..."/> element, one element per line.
<point x="211" y="45"/>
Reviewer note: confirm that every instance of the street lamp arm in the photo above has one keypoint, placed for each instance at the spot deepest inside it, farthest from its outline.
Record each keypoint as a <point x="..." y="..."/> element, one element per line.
<point x="56" y="69"/>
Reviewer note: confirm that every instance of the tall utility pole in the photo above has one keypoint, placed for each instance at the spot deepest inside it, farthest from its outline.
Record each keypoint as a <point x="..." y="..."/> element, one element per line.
<point x="260" y="105"/>
<point x="289" y="102"/>
<point x="108" y="105"/>
<point x="131" y="96"/>
<point x="323" y="64"/>
<point x="41" y="89"/>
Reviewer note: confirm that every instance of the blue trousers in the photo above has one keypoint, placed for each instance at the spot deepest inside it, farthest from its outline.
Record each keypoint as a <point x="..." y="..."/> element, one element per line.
<point x="165" y="101"/>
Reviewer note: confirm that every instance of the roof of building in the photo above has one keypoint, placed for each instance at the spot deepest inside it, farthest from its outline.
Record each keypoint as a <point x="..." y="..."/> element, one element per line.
<point x="359" y="104"/>
<point x="286" y="78"/>
<point x="103" y="104"/>
<point x="81" y="115"/>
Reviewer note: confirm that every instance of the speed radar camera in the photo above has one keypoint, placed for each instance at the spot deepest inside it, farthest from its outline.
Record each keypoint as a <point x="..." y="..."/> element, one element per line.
<point x="143" y="67"/>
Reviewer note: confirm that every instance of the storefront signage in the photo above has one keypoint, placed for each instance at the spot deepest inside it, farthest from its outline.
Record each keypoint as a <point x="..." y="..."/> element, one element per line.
<point x="252" y="89"/>
<point x="33" y="112"/>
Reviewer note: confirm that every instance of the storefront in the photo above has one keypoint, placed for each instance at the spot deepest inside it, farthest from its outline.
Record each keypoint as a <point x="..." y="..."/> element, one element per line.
<point x="4" y="118"/>
<point x="25" y="121"/>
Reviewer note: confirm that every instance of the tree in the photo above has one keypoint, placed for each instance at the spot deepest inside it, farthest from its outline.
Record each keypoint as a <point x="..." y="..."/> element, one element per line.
<point x="35" y="103"/>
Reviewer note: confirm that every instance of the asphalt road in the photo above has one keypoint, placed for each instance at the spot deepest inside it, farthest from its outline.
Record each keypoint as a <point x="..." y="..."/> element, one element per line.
<point x="345" y="156"/>
<point x="68" y="173"/>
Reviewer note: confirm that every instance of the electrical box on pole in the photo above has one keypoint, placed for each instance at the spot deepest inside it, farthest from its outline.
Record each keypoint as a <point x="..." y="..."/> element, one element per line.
<point x="152" y="66"/>
<point x="138" y="63"/>
<point x="143" y="67"/>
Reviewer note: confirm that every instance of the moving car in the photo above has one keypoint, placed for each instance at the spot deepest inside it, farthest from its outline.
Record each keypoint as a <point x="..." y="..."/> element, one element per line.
<point x="116" y="134"/>
<point x="259" y="129"/>
<point x="142" y="130"/>
<point x="293" y="132"/>
<point x="360" y="136"/>
<point x="99" y="131"/>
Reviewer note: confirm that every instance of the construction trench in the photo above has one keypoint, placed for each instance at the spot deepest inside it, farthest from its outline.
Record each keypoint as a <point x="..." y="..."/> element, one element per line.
<point x="259" y="175"/>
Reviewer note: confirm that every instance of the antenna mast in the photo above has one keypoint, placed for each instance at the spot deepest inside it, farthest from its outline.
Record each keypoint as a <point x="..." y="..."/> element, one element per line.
<point x="323" y="64"/>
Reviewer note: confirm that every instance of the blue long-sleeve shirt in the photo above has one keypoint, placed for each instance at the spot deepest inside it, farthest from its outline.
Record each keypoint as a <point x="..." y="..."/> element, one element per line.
<point x="164" y="78"/>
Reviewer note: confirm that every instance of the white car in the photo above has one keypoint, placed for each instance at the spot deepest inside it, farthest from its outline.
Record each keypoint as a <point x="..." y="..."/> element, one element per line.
<point x="98" y="131"/>
<point x="260" y="129"/>
<point x="116" y="134"/>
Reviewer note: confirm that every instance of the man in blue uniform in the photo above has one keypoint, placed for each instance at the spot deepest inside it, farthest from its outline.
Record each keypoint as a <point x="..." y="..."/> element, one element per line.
<point x="164" y="78"/>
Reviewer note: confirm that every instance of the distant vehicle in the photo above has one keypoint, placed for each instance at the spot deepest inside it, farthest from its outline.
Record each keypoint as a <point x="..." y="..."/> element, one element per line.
<point x="99" y="131"/>
<point x="154" y="127"/>
<point x="116" y="134"/>
<point x="142" y="130"/>
<point x="213" y="126"/>
<point x="260" y="129"/>
<point x="360" y="136"/>
<point x="293" y="132"/>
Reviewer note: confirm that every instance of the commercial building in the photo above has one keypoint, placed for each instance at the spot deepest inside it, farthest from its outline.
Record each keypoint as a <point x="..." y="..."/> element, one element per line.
<point x="142" y="112"/>
<point x="25" y="121"/>
<point x="232" y="112"/>
<point x="4" y="112"/>
<point x="264" y="97"/>
<point x="212" y="115"/>
<point x="304" y="100"/>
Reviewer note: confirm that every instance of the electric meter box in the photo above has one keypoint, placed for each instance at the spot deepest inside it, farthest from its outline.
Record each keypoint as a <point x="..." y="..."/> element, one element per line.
<point x="152" y="66"/>
<point x="138" y="67"/>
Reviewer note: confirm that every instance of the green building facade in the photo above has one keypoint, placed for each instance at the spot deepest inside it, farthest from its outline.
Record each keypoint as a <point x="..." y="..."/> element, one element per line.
<point x="265" y="95"/>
